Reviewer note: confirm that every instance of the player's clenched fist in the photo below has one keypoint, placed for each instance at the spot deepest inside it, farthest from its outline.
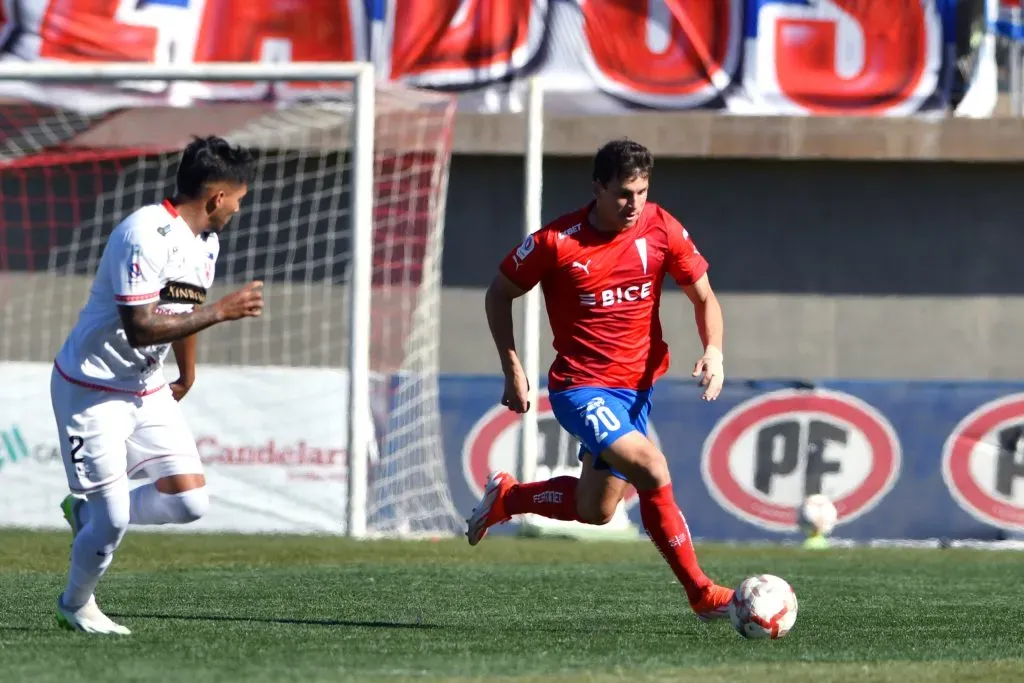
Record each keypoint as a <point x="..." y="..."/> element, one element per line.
<point x="516" y="387"/>
<point x="711" y="369"/>
<point x="247" y="302"/>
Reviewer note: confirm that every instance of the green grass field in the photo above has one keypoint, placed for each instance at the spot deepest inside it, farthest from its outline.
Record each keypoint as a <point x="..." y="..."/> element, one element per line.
<point x="231" y="608"/>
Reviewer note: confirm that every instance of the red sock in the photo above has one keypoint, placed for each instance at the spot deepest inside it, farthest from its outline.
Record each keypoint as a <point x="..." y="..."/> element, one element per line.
<point x="667" y="528"/>
<point x="554" y="499"/>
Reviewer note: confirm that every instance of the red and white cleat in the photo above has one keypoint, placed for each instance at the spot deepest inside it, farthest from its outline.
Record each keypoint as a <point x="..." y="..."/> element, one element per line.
<point x="714" y="604"/>
<point x="491" y="508"/>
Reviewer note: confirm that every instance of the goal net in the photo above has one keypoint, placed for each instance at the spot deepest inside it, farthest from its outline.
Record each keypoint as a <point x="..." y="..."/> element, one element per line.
<point x="269" y="409"/>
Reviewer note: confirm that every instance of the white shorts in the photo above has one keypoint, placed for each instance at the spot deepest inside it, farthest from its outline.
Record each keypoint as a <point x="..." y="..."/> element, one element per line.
<point x="106" y="436"/>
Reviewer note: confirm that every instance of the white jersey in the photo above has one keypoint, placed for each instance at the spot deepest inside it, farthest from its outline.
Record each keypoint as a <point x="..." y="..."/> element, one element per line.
<point x="152" y="256"/>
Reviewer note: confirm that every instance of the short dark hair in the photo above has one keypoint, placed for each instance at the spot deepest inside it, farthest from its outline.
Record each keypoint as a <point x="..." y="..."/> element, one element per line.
<point x="622" y="159"/>
<point x="210" y="160"/>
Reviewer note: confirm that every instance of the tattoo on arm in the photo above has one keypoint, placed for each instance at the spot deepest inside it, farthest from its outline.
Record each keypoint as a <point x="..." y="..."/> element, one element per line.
<point x="145" y="327"/>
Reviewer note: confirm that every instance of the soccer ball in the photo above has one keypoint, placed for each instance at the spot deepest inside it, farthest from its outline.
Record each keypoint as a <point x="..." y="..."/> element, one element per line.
<point x="817" y="516"/>
<point x="764" y="606"/>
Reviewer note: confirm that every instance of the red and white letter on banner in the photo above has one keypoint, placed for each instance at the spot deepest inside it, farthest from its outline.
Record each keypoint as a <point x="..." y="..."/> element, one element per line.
<point x="662" y="53"/>
<point x="167" y="31"/>
<point x="274" y="31"/>
<point x="462" y="42"/>
<point x="84" y="30"/>
<point x="844" y="56"/>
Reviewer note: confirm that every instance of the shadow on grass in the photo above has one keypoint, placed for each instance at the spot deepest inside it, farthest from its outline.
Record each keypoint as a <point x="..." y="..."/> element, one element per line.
<point x="271" y="620"/>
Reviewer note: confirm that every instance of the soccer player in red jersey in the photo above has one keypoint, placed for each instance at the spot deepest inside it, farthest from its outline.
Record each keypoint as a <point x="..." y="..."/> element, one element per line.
<point x="601" y="270"/>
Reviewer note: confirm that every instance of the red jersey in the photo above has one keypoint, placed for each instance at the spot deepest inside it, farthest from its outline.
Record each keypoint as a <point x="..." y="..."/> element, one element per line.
<point x="602" y="293"/>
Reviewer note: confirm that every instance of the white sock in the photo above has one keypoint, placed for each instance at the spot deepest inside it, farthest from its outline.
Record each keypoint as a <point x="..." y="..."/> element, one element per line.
<point x="150" y="506"/>
<point x="83" y="514"/>
<point x="94" y="546"/>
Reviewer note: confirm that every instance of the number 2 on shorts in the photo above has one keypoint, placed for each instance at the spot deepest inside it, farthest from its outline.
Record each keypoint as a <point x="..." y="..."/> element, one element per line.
<point x="76" y="445"/>
<point x="77" y="461"/>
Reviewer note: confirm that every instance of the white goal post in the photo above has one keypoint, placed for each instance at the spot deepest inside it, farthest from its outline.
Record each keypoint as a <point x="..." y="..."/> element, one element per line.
<point x="529" y="443"/>
<point x="344" y="223"/>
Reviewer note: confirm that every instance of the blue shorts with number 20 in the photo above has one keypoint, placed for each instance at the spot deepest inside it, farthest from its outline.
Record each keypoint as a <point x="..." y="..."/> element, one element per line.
<point x="598" y="417"/>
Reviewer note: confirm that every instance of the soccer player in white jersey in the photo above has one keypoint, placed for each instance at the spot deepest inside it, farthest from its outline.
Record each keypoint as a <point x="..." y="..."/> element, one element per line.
<point x="117" y="418"/>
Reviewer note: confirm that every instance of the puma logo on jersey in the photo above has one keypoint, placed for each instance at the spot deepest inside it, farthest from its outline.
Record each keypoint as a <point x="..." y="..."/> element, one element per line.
<point x="585" y="267"/>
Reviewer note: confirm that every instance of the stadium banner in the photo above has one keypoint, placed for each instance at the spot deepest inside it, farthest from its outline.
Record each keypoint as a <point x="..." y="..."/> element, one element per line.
<point x="272" y="441"/>
<point x="901" y="460"/>
<point x="799" y="57"/>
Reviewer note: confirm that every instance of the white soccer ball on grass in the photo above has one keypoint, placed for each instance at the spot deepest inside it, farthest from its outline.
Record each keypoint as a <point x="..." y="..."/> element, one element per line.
<point x="764" y="606"/>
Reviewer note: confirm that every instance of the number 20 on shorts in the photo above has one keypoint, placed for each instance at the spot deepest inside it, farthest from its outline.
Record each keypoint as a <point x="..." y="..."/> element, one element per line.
<point x="600" y="416"/>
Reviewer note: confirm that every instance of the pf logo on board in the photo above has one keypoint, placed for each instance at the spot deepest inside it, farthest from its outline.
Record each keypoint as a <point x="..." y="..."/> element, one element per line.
<point x="770" y="452"/>
<point x="983" y="463"/>
<point x="493" y="444"/>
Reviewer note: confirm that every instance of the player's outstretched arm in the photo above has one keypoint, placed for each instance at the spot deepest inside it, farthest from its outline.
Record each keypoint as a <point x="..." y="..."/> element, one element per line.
<point x="711" y="328"/>
<point x="143" y="326"/>
<point x="498" y="305"/>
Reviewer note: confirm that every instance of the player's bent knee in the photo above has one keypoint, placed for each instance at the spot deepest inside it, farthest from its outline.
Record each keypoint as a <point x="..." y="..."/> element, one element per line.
<point x="109" y="515"/>
<point x="109" y="532"/>
<point x="651" y="463"/>
<point x="191" y="505"/>
<point x="640" y="460"/>
<point x="115" y="517"/>
<point x="656" y="471"/>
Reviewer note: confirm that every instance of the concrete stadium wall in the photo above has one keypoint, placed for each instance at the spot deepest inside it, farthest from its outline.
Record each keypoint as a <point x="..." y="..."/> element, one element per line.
<point x="825" y="268"/>
<point x="767" y="335"/>
<point x="852" y="269"/>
